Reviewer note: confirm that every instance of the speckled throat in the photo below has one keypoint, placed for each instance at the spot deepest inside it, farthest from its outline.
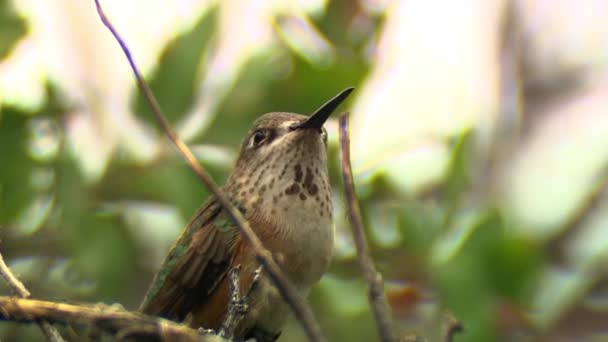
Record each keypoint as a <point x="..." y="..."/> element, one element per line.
<point x="281" y="173"/>
<point x="280" y="183"/>
<point x="294" y="169"/>
<point x="285" y="183"/>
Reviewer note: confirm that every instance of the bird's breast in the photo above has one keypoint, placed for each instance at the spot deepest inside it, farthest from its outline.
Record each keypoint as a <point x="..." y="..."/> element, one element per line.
<point x="308" y="249"/>
<point x="302" y="236"/>
<point x="289" y="206"/>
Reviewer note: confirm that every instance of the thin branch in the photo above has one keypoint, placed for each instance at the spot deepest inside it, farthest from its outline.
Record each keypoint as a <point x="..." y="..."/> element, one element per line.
<point x="453" y="328"/>
<point x="237" y="303"/>
<point x="49" y="331"/>
<point x="111" y="319"/>
<point x="237" y="306"/>
<point x="15" y="284"/>
<point x="288" y="291"/>
<point x="377" y="298"/>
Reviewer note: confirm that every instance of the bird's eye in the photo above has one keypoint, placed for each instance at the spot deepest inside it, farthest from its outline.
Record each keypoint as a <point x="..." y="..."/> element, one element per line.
<point x="258" y="138"/>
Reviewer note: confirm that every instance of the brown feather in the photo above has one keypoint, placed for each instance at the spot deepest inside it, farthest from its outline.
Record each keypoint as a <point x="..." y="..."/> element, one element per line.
<point x="211" y="313"/>
<point x="194" y="267"/>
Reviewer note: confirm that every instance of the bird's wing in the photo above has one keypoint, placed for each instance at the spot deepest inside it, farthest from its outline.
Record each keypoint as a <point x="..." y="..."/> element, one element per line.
<point x="195" y="265"/>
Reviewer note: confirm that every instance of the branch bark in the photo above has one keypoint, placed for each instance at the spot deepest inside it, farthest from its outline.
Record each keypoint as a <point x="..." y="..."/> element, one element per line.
<point x="377" y="298"/>
<point x="112" y="319"/>
<point x="237" y="304"/>
<point x="288" y="291"/>
<point x="47" y="329"/>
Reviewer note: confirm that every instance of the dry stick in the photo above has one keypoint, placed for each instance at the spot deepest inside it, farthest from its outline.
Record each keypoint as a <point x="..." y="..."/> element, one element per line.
<point x="237" y="306"/>
<point x="377" y="299"/>
<point x="49" y="331"/>
<point x="111" y="319"/>
<point x="454" y="327"/>
<point x="237" y="303"/>
<point x="288" y="291"/>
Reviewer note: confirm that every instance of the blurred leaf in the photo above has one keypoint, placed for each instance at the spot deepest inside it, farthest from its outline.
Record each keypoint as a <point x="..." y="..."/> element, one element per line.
<point x="335" y="22"/>
<point x="459" y="174"/>
<point x="464" y="292"/>
<point x="104" y="252"/>
<point x="509" y="262"/>
<point x="174" y="82"/>
<point x="16" y="191"/>
<point x="168" y="180"/>
<point x="99" y="244"/>
<point x="463" y="284"/>
<point x="19" y="172"/>
<point x="490" y="265"/>
<point x="513" y="267"/>
<point x="11" y="331"/>
<point x="307" y="91"/>
<point x="344" y="299"/>
<point x="419" y="226"/>
<point x="300" y="90"/>
<point x="11" y="27"/>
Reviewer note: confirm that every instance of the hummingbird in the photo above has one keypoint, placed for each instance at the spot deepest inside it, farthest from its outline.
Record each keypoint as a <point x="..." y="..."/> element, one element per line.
<point x="280" y="184"/>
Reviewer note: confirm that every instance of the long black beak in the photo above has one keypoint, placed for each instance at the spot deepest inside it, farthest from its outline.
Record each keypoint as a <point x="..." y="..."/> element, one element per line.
<point x="318" y="118"/>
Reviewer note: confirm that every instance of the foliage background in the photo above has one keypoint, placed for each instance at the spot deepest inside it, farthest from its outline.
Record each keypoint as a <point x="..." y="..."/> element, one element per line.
<point x="479" y="146"/>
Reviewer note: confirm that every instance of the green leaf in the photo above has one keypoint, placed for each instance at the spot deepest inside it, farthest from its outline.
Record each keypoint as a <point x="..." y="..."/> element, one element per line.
<point x="12" y="27"/>
<point x="509" y="262"/>
<point x="459" y="174"/>
<point x="169" y="180"/>
<point x="174" y="81"/>
<point x="16" y="191"/>
<point x="513" y="267"/>
<point x="491" y="266"/>
<point x="98" y="242"/>
<point x="464" y="285"/>
<point x="419" y="225"/>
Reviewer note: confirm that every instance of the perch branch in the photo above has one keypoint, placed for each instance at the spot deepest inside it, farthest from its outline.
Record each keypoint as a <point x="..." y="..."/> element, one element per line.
<point x="49" y="331"/>
<point x="237" y="304"/>
<point x="15" y="284"/>
<point x="377" y="298"/>
<point x="112" y="319"/>
<point x="288" y="291"/>
<point x="453" y="328"/>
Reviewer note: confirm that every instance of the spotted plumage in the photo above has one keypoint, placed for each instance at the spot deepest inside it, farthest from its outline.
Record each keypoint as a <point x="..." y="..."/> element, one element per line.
<point x="281" y="186"/>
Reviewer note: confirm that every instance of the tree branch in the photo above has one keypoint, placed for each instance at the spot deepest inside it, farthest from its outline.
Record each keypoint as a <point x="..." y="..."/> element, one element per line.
<point x="237" y="303"/>
<point x="112" y="319"/>
<point x="49" y="331"/>
<point x="377" y="298"/>
<point x="453" y="327"/>
<point x="288" y="291"/>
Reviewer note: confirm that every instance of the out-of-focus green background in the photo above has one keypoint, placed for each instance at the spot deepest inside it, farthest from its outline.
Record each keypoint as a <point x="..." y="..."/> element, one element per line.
<point x="479" y="142"/>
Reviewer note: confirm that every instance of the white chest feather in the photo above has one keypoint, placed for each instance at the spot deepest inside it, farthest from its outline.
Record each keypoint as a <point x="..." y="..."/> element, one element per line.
<point x="310" y="241"/>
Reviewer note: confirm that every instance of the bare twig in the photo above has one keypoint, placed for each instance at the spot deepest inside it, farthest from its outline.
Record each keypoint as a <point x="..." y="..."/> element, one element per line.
<point x="237" y="304"/>
<point x="12" y="281"/>
<point x="453" y="327"/>
<point x="49" y="331"/>
<point x="288" y="291"/>
<point x="377" y="298"/>
<point x="111" y="319"/>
